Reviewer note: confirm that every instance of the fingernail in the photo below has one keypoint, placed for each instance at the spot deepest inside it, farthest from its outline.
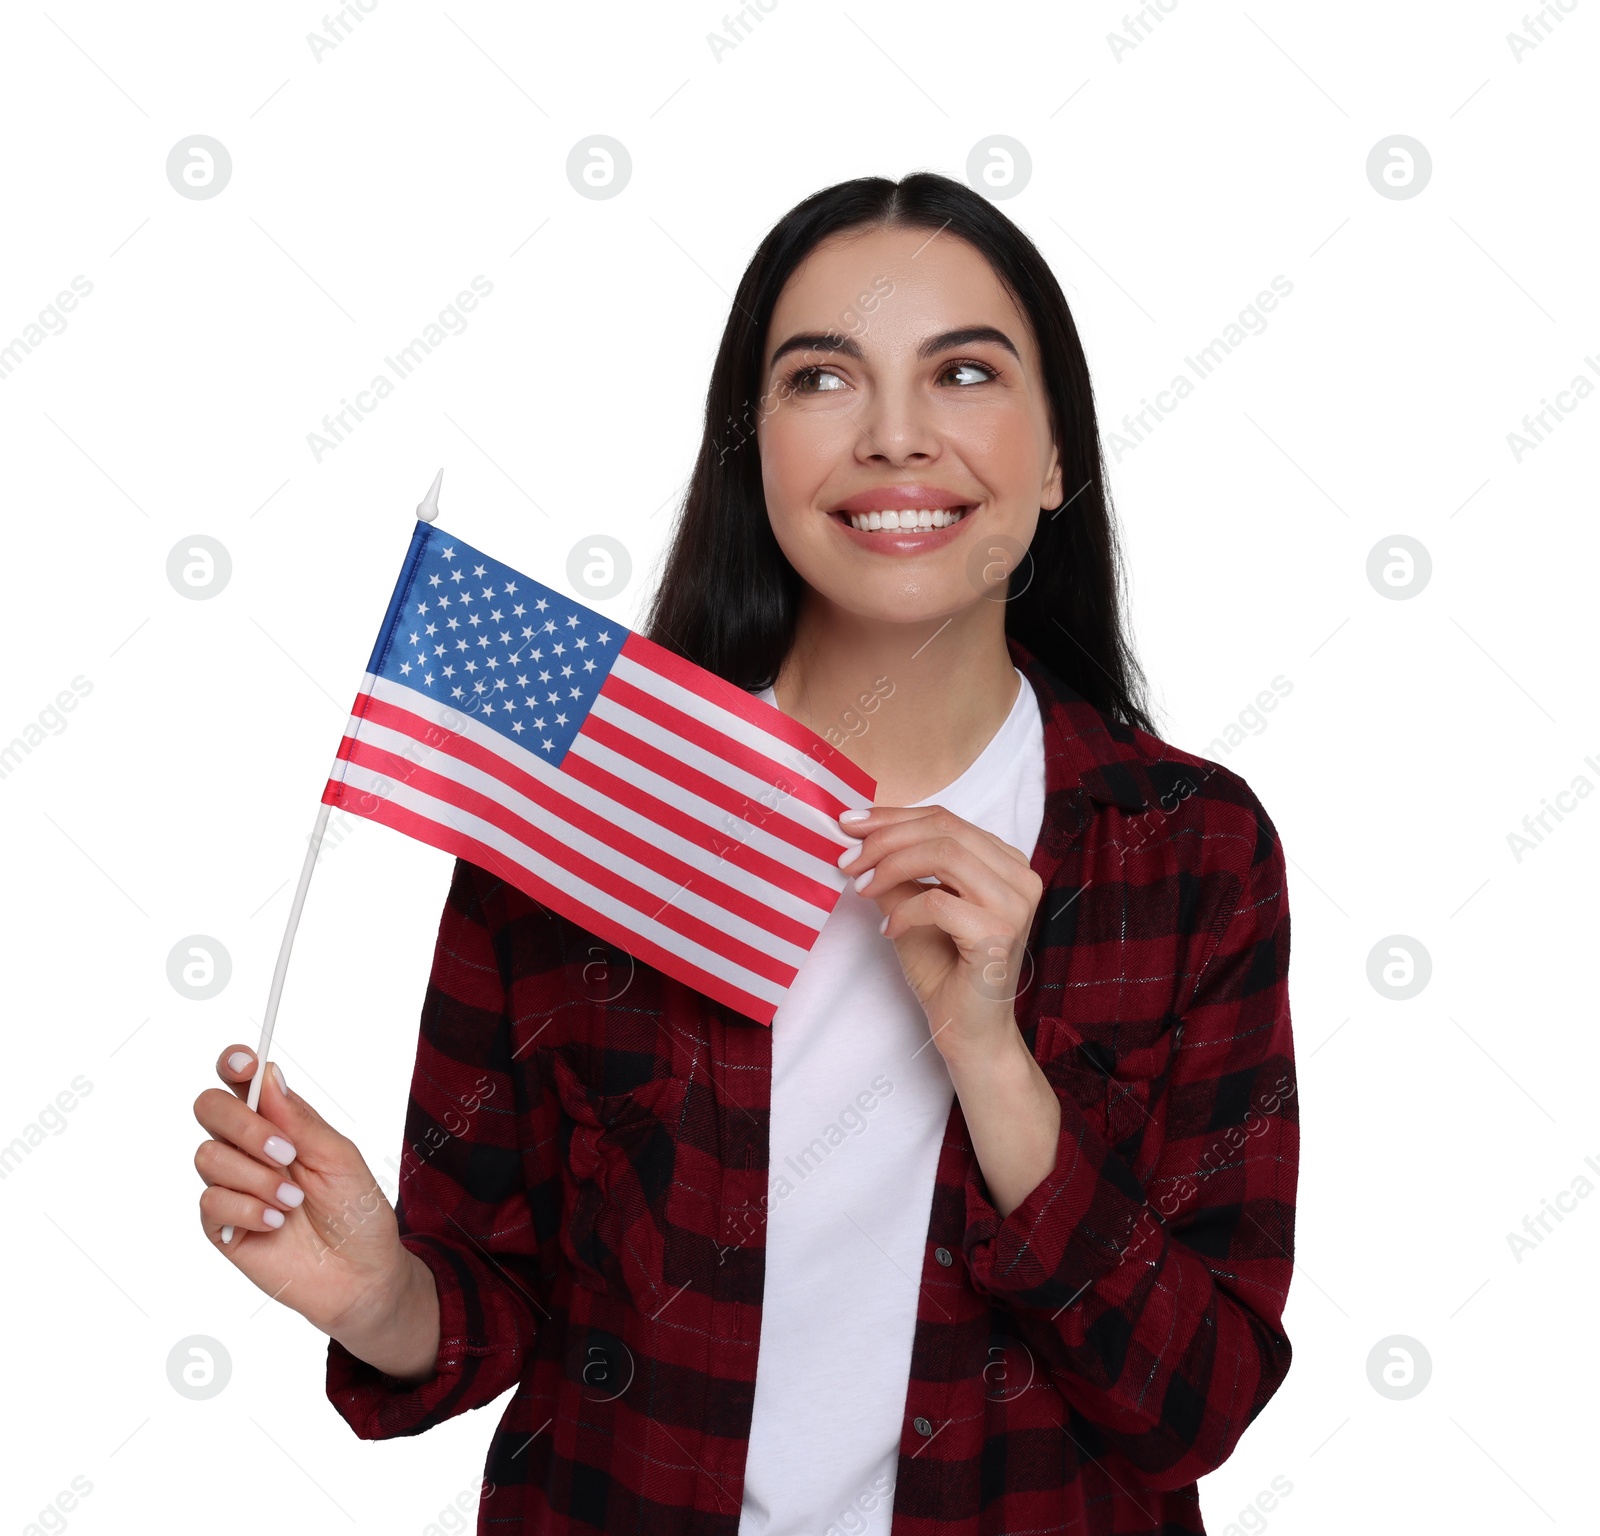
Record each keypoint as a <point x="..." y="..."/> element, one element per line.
<point x="883" y="927"/>
<point x="277" y="1072"/>
<point x="862" y="880"/>
<point x="272" y="1218"/>
<point x="850" y="855"/>
<point x="860" y="813"/>
<point x="239" y="1061"/>
<point x="290" y="1194"/>
<point x="279" y="1150"/>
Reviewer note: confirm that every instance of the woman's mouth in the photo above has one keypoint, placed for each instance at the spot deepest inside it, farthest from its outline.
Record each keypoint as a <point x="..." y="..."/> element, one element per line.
<point x="906" y="520"/>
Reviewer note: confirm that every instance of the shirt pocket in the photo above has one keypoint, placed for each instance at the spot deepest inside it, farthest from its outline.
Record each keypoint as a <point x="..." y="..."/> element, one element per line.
<point x="1119" y="1091"/>
<point x="619" y="1155"/>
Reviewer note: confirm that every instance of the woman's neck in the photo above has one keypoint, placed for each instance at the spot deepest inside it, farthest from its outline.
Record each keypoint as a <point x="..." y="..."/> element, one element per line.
<point x="911" y="704"/>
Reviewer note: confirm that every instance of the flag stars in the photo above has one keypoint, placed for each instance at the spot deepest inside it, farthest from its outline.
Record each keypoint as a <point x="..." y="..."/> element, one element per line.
<point x="479" y="570"/>
<point x="473" y="618"/>
<point x="516" y="725"/>
<point x="572" y="621"/>
<point x="604" y="637"/>
<point x="511" y="587"/>
<point x="405" y="669"/>
<point x="435" y="580"/>
<point x="589" y="665"/>
<point x="422" y="607"/>
<point x="518" y="611"/>
<point x="559" y="648"/>
<point x="427" y="677"/>
<point x="581" y="643"/>
<point x="488" y="591"/>
<point x="541" y="605"/>
<point x="448" y="551"/>
<point x="456" y="575"/>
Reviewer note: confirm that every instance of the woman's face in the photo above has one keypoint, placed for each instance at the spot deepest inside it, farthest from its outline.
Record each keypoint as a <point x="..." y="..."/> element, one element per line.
<point x="900" y="377"/>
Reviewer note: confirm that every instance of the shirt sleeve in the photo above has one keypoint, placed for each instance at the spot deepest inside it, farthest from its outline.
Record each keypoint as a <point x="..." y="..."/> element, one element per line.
<point x="1156" y="1308"/>
<point x="471" y="1178"/>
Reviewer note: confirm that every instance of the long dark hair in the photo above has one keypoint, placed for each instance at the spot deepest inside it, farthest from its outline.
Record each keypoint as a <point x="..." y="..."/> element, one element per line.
<point x="728" y="598"/>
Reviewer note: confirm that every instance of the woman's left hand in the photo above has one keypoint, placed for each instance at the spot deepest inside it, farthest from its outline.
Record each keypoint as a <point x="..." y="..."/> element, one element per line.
<point x="960" y="942"/>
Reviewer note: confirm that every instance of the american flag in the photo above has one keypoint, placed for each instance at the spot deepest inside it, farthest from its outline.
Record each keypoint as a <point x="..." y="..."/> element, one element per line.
<point x="650" y="801"/>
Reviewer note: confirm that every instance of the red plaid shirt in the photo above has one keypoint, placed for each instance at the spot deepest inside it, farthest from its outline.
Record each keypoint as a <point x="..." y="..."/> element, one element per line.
<point x="585" y="1173"/>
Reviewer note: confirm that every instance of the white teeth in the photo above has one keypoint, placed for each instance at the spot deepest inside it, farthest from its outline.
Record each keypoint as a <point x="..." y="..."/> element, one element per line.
<point x="873" y="522"/>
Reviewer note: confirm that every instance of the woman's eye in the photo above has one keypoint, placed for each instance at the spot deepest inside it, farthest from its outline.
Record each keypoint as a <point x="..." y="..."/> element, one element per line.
<point x="982" y="370"/>
<point x="802" y="378"/>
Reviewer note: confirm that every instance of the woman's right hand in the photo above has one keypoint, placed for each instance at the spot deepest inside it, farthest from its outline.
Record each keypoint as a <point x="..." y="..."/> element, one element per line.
<point x="311" y="1227"/>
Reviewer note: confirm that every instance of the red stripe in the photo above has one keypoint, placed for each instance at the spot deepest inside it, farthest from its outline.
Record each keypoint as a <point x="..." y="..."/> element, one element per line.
<point x="586" y="771"/>
<point x="707" y="934"/>
<point x="637" y="750"/>
<point x="737" y="702"/>
<point x="464" y="846"/>
<point x="466" y="750"/>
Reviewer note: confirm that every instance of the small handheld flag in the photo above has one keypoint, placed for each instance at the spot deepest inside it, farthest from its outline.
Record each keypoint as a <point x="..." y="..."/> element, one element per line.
<point x="646" y="799"/>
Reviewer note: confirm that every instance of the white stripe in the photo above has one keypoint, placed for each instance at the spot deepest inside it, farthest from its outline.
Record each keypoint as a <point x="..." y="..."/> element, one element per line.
<point x="439" y="760"/>
<point x="365" y="780"/>
<point x="725" y="823"/>
<point x="759" y="892"/>
<point x="794" y="761"/>
<point x="751" y="785"/>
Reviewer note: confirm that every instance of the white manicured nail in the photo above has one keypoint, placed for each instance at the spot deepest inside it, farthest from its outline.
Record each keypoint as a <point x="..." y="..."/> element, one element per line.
<point x="277" y="1072"/>
<point x="850" y="855"/>
<point x="860" y="813"/>
<point x="862" y="880"/>
<point x="272" y="1218"/>
<point x="279" y="1150"/>
<point x="290" y="1194"/>
<point x="239" y="1061"/>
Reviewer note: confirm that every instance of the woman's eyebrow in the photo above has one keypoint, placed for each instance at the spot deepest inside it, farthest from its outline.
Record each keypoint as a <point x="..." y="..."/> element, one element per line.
<point x="831" y="341"/>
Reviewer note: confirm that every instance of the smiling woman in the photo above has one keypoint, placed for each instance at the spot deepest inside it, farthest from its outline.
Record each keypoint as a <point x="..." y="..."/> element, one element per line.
<point x="1027" y="1292"/>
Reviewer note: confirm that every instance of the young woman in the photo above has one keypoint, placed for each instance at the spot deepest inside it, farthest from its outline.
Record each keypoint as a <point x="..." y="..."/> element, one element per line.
<point x="991" y="1230"/>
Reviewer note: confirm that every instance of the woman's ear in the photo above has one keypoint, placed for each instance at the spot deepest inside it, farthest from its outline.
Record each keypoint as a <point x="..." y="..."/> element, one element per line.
<point x="1050" y="494"/>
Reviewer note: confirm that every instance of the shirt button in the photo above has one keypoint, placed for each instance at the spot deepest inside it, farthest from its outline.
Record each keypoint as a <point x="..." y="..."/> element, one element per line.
<point x="922" y="1426"/>
<point x="942" y="1255"/>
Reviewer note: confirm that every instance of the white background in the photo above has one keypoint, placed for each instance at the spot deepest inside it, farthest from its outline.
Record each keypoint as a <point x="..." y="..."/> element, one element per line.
<point x="1168" y="187"/>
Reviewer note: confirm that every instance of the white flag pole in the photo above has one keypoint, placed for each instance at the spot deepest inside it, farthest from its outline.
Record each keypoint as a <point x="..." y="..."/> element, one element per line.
<point x="427" y="511"/>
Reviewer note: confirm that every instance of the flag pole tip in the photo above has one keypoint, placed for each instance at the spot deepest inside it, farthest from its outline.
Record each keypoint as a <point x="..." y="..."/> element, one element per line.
<point x="428" y="507"/>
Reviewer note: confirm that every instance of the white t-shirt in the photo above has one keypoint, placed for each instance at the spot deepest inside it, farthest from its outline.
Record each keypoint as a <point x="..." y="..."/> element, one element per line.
<point x="859" y="1105"/>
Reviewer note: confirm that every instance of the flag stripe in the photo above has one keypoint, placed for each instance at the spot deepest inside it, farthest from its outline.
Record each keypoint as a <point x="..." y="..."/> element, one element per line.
<point x="628" y="934"/>
<point x="648" y="893"/>
<point x="647" y="746"/>
<point x="717" y="692"/>
<point x="525" y="804"/>
<point x="585" y="765"/>
<point x="763" y="868"/>
<point x="791" y="780"/>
